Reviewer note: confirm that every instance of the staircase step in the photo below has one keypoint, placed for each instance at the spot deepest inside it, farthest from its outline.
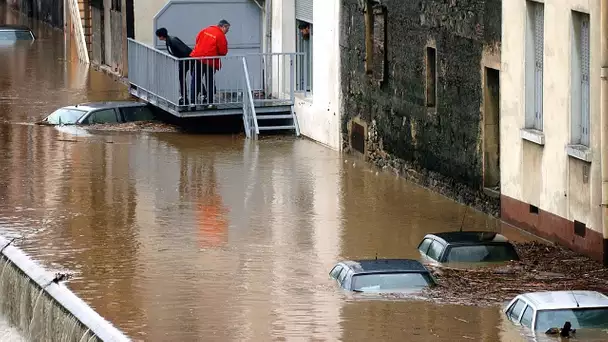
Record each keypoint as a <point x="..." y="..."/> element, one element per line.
<point x="275" y="128"/>
<point x="274" y="117"/>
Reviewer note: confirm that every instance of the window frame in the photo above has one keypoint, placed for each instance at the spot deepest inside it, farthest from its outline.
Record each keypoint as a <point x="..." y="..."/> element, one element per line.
<point x="448" y="249"/>
<point x="123" y="117"/>
<point x="86" y="119"/>
<point x="580" y="90"/>
<point x="304" y="72"/>
<point x="512" y="306"/>
<point x="441" y="253"/>
<point x="534" y="65"/>
<point x="332" y="271"/>
<point x="533" y="315"/>
<point x="427" y="247"/>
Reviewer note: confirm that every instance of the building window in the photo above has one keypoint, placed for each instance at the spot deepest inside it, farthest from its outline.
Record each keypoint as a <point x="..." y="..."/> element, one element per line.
<point x="580" y="79"/>
<point x="117" y="5"/>
<point x="304" y="45"/>
<point x="534" y="65"/>
<point x="431" y="77"/>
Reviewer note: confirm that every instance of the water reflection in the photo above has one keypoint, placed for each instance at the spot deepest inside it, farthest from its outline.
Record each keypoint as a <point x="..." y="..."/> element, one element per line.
<point x="181" y="237"/>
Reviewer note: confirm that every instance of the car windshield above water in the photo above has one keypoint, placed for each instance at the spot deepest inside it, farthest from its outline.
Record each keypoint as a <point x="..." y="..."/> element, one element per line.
<point x="13" y="33"/>
<point x="541" y="311"/>
<point x="389" y="281"/>
<point x="65" y="116"/>
<point x="594" y="318"/>
<point x="382" y="275"/>
<point x="467" y="247"/>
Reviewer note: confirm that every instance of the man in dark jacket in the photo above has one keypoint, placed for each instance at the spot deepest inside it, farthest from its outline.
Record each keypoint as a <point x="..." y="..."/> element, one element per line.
<point x="178" y="49"/>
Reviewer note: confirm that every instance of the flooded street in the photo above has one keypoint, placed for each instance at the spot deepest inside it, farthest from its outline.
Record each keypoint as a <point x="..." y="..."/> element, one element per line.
<point x="177" y="237"/>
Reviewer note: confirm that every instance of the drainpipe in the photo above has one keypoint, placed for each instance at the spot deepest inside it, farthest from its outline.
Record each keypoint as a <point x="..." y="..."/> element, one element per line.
<point x="268" y="71"/>
<point x="604" y="123"/>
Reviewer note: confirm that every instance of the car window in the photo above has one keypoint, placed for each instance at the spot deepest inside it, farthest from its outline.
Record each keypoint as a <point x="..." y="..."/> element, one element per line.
<point x="579" y="318"/>
<point x="103" y="116"/>
<point x="15" y="35"/>
<point x="139" y="113"/>
<point x="435" y="250"/>
<point x="335" y="271"/>
<point x="342" y="275"/>
<point x="481" y="253"/>
<point x="526" y="318"/>
<point x="64" y="116"/>
<point x="390" y="281"/>
<point x="424" y="245"/>
<point x="515" y="310"/>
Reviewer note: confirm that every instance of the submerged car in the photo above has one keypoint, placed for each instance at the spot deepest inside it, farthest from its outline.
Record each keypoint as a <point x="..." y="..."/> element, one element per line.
<point x="13" y="33"/>
<point x="467" y="247"/>
<point x="550" y="310"/>
<point x="382" y="275"/>
<point x="100" y="113"/>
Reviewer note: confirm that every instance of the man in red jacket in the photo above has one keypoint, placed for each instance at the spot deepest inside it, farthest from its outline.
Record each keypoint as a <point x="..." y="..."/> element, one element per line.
<point x="210" y="42"/>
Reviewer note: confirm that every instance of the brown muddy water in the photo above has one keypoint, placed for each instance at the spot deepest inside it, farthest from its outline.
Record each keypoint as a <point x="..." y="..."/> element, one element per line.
<point x="177" y="237"/>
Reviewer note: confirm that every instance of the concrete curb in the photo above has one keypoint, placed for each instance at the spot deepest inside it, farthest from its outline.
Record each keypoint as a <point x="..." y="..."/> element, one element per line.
<point x="103" y="329"/>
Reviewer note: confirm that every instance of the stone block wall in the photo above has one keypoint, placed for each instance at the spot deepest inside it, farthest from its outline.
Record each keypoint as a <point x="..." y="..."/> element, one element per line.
<point x="50" y="11"/>
<point x="402" y="123"/>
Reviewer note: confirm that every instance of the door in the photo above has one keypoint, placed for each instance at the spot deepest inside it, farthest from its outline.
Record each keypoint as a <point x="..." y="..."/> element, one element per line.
<point x="491" y="136"/>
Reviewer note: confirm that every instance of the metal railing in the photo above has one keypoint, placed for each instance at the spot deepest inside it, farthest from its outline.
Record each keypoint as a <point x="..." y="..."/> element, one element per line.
<point x="271" y="77"/>
<point x="250" y="120"/>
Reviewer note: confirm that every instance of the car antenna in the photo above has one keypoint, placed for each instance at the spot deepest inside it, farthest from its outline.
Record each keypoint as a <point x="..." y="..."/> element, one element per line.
<point x="573" y="296"/>
<point x="376" y="256"/>
<point x="463" y="217"/>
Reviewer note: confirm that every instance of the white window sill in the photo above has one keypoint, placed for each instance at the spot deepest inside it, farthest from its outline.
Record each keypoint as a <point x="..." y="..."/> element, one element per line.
<point x="581" y="152"/>
<point x="533" y="135"/>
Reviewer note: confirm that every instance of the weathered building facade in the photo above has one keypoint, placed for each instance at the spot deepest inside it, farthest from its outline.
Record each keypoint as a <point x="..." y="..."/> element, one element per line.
<point x="420" y="85"/>
<point x="553" y="123"/>
<point x="50" y="11"/>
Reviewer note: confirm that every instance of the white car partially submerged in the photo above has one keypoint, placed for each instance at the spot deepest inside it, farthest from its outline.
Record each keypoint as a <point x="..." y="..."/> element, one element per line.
<point x="100" y="113"/>
<point x="549" y="311"/>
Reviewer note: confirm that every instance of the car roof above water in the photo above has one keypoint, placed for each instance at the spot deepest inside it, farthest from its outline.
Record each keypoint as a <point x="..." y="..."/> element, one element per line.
<point x="8" y="27"/>
<point x="385" y="265"/>
<point x="468" y="237"/>
<point x="551" y="300"/>
<point x="108" y="104"/>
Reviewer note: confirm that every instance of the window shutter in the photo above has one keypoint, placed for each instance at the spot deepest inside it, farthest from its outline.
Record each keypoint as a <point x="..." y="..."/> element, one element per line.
<point x="538" y="65"/>
<point x="585" y="120"/>
<point x="304" y="10"/>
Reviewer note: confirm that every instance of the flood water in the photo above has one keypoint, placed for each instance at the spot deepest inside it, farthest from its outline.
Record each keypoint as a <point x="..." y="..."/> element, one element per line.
<point x="177" y="237"/>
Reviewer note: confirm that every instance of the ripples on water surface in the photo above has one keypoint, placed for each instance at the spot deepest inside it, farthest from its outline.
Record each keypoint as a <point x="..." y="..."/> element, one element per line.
<point x="179" y="237"/>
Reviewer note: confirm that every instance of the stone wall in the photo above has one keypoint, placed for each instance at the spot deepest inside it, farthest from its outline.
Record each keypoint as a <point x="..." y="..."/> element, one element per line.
<point x="49" y="11"/>
<point x="395" y="122"/>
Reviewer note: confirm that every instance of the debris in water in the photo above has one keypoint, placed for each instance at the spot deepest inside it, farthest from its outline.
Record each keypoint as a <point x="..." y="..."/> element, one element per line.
<point x="136" y="126"/>
<point x="542" y="267"/>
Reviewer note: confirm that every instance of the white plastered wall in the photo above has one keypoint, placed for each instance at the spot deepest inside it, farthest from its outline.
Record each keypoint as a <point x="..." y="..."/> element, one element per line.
<point x="546" y="176"/>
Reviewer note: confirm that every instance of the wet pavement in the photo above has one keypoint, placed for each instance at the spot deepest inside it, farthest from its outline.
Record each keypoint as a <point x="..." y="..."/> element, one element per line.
<point x="182" y="237"/>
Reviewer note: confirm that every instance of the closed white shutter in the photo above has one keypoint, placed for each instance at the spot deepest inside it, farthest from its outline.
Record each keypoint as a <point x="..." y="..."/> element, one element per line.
<point x="304" y="10"/>
<point x="585" y="81"/>
<point x="538" y="65"/>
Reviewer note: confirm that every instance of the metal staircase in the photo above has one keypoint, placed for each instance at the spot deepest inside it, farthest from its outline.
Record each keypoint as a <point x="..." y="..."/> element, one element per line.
<point x="240" y="91"/>
<point x="278" y="118"/>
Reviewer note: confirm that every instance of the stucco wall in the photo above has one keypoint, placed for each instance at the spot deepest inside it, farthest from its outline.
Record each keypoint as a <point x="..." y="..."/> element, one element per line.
<point x="545" y="176"/>
<point x="318" y="113"/>
<point x="447" y="138"/>
<point x="143" y="15"/>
